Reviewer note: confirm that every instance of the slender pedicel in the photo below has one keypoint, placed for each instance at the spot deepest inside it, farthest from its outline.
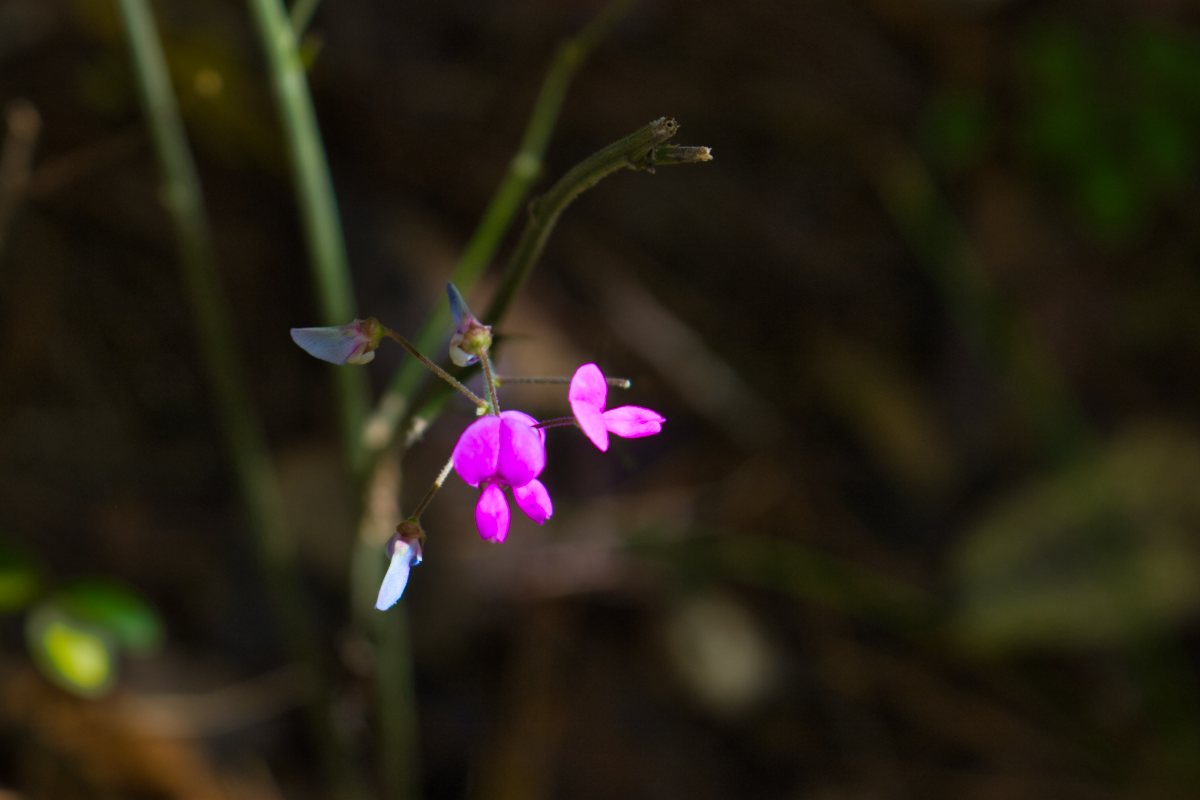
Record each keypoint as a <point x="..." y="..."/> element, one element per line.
<point x="434" y="368"/>
<point x="562" y="380"/>
<point x="433" y="490"/>
<point x="489" y="378"/>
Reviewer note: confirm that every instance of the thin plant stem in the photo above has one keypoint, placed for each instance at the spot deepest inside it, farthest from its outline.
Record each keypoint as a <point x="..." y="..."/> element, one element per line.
<point x="394" y="688"/>
<point x="556" y="422"/>
<point x="489" y="380"/>
<point x="432" y="491"/>
<point x="632" y="151"/>
<point x="524" y="169"/>
<point x="243" y="435"/>
<point x="318" y="207"/>
<point x="559" y="380"/>
<point x="434" y="368"/>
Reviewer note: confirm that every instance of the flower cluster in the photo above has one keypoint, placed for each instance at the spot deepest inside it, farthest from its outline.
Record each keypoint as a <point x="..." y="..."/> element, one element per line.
<point x="505" y="451"/>
<point x="499" y="453"/>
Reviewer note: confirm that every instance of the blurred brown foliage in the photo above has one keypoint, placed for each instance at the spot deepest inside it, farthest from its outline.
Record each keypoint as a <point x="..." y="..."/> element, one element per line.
<point x="922" y="522"/>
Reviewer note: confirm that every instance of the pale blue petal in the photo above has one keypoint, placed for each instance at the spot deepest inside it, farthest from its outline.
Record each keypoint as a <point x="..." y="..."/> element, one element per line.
<point x="458" y="306"/>
<point x="333" y="344"/>
<point x="396" y="578"/>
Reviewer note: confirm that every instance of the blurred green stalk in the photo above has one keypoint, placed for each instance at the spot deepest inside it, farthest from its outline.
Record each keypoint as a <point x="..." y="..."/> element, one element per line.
<point x="215" y="334"/>
<point x="214" y="327"/>
<point x="318" y="207"/>
<point x="523" y="170"/>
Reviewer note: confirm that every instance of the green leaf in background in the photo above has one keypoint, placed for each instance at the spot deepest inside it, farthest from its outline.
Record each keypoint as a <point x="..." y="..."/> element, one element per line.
<point x="78" y="657"/>
<point x="956" y="128"/>
<point x="20" y="579"/>
<point x="1101" y="554"/>
<point x="117" y="609"/>
<point x="1108" y="117"/>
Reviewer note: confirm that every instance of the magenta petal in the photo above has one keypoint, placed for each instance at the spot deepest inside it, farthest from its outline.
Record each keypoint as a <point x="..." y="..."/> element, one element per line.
<point x="588" y="388"/>
<point x="522" y="455"/>
<point x="633" y="422"/>
<point x="478" y="449"/>
<point x="587" y="396"/>
<point x="492" y="514"/>
<point x="591" y="422"/>
<point x="534" y="500"/>
<point x="528" y="420"/>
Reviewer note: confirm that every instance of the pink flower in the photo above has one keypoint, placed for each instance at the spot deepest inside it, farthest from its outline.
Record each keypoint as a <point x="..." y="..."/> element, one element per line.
<point x="353" y="343"/>
<point x="589" y="394"/>
<point x="504" y="452"/>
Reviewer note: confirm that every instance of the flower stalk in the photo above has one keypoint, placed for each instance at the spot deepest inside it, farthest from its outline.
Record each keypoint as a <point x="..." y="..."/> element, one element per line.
<point x="489" y="379"/>
<point x="633" y="151"/>
<point x="433" y="367"/>
<point x="432" y="491"/>
<point x="560" y="380"/>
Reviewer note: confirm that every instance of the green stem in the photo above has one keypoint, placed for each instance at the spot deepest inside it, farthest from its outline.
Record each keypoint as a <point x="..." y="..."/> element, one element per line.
<point x="243" y="435"/>
<point x="489" y="380"/>
<point x="524" y="169"/>
<point x="318" y="208"/>
<point x="434" y="368"/>
<point x="632" y="151"/>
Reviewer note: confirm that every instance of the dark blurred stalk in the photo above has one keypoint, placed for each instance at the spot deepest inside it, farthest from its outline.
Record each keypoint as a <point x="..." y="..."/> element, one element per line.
<point x="318" y="207"/>
<point x="215" y="336"/>
<point x="994" y="328"/>
<point x="523" y="170"/>
<point x="24" y="125"/>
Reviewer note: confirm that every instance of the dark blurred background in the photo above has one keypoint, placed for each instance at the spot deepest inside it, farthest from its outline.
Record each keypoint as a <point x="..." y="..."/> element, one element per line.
<point x="923" y="522"/>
